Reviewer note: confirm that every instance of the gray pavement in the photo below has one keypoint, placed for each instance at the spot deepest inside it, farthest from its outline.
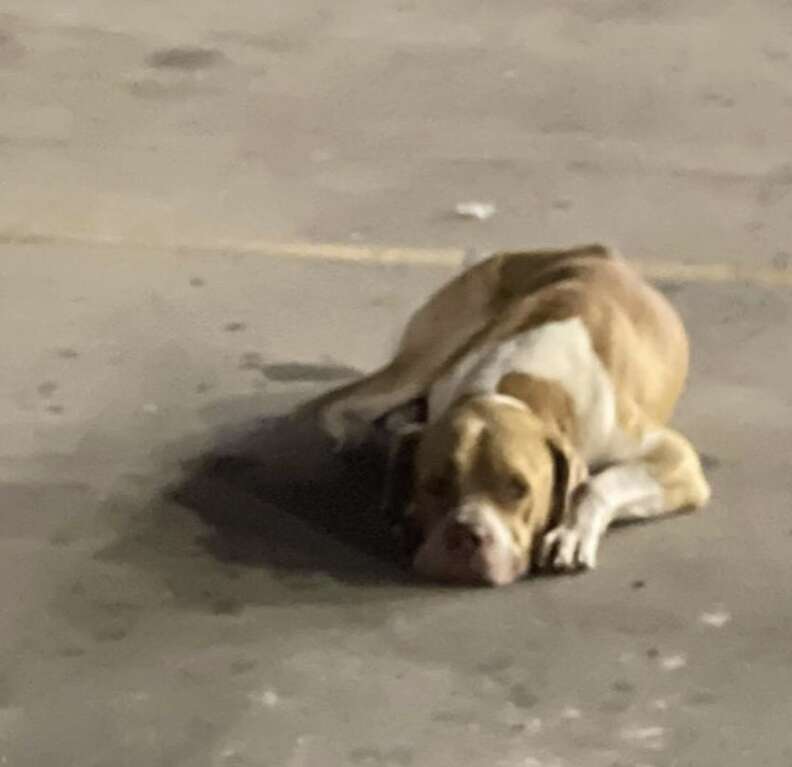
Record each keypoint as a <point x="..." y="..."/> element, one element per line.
<point x="135" y="634"/>
<point x="219" y="625"/>
<point x="661" y="125"/>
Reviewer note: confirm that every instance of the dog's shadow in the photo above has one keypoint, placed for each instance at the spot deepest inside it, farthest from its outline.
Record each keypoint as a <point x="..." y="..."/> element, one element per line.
<point x="280" y="497"/>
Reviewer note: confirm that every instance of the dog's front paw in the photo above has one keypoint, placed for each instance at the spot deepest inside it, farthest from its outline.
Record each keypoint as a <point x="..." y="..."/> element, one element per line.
<point x="566" y="549"/>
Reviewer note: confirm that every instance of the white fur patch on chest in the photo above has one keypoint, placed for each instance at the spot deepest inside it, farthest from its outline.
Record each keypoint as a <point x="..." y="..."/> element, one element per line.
<point x="558" y="351"/>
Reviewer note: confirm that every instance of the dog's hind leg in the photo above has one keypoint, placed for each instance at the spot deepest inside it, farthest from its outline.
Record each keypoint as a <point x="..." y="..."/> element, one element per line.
<point x="443" y="325"/>
<point x="347" y="412"/>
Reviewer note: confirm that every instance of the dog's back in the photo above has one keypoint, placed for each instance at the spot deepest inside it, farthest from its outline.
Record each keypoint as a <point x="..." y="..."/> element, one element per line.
<point x="635" y="332"/>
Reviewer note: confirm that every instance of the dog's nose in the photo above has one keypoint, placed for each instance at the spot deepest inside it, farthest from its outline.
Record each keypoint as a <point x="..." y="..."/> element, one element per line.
<point x="466" y="539"/>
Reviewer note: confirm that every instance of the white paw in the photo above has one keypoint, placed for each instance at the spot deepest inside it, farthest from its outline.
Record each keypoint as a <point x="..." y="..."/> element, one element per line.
<point x="334" y="425"/>
<point x="344" y="430"/>
<point x="570" y="548"/>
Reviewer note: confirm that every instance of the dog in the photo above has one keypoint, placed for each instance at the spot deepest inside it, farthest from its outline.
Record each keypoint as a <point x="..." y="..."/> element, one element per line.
<point x="549" y="378"/>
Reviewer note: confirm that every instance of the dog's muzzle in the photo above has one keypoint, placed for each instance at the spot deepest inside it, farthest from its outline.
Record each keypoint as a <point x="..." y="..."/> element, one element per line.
<point x="473" y="546"/>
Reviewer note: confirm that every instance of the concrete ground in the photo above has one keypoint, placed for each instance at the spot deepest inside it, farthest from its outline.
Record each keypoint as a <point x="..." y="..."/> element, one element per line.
<point x="157" y="612"/>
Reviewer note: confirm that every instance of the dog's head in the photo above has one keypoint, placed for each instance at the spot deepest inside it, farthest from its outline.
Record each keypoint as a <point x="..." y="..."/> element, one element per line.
<point x="489" y="477"/>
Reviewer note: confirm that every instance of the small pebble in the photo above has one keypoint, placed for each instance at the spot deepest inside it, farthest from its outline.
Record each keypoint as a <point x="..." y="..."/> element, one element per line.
<point x="242" y="665"/>
<point x="710" y="462"/>
<point x="47" y="388"/>
<point x="185" y="58"/>
<point x="67" y="354"/>
<point x="639" y="584"/>
<point x="234" y="327"/>
<point x="251" y="361"/>
<point x="197" y="282"/>
<point x="702" y="697"/>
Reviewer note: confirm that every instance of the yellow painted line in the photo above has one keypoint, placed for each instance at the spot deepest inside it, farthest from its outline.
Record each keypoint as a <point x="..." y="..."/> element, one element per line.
<point x="674" y="271"/>
<point x="453" y="258"/>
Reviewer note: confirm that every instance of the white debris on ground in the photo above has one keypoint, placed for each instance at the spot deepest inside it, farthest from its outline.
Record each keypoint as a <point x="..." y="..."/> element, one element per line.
<point x="268" y="698"/>
<point x="651" y="736"/>
<point x="480" y="211"/>
<point x="545" y="761"/>
<point x="717" y="618"/>
<point x="533" y="726"/>
<point x="673" y="662"/>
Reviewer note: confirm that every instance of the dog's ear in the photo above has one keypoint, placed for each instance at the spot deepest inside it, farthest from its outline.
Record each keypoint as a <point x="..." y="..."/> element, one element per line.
<point x="569" y="474"/>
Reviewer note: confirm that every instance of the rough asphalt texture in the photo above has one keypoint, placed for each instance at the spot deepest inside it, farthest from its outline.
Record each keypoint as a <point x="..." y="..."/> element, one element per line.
<point x="163" y="613"/>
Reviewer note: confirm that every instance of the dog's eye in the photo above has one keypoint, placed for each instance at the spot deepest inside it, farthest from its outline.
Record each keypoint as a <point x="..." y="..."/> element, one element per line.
<point x="517" y="488"/>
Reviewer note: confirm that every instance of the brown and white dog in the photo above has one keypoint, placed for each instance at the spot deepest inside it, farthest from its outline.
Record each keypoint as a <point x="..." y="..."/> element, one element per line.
<point x="550" y="377"/>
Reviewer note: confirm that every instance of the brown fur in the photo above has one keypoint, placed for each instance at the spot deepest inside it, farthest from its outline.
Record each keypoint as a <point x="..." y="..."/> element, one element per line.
<point x="547" y="399"/>
<point x="636" y="334"/>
